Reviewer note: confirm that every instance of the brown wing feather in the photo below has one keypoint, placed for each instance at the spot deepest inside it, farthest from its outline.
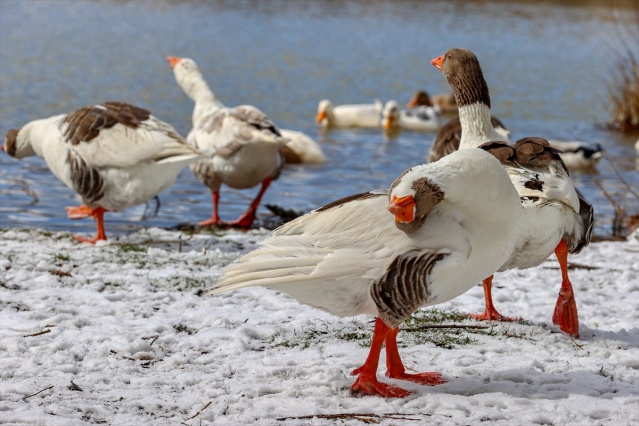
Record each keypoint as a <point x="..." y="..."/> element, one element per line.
<point x="85" y="124"/>
<point x="404" y="287"/>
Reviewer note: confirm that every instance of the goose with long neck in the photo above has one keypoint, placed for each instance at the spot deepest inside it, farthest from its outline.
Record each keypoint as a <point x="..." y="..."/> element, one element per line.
<point x="352" y="257"/>
<point x="114" y="155"/>
<point x="245" y="143"/>
<point x="554" y="216"/>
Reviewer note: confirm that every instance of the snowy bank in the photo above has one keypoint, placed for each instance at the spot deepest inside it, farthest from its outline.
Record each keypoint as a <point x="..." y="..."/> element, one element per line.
<point x="118" y="333"/>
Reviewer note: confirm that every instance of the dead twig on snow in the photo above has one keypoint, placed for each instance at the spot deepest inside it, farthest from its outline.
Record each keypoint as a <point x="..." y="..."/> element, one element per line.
<point x="151" y="338"/>
<point x="199" y="412"/>
<point x="364" y="417"/>
<point x="426" y="327"/>
<point x="39" y="392"/>
<point x="39" y="333"/>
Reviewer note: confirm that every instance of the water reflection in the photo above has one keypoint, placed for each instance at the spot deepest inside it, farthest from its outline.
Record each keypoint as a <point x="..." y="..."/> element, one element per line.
<point x="546" y="63"/>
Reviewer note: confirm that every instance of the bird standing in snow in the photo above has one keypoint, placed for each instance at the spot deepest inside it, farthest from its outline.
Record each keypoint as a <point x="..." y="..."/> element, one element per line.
<point x="114" y="155"/>
<point x="554" y="216"/>
<point x="244" y="142"/>
<point x="452" y="223"/>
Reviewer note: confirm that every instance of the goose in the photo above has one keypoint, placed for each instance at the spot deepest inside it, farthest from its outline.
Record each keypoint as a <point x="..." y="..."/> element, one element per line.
<point x="351" y="115"/>
<point x="420" y="118"/>
<point x="301" y="148"/>
<point x="555" y="217"/>
<point x="351" y="257"/>
<point x="244" y="141"/>
<point x="447" y="139"/>
<point x="114" y="155"/>
<point x="444" y="102"/>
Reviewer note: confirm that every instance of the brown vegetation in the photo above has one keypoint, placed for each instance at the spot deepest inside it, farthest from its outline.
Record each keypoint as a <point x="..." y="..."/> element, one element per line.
<point x="624" y="84"/>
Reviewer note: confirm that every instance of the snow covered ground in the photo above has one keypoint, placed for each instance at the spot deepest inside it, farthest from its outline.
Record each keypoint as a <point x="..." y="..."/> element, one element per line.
<point x="120" y="334"/>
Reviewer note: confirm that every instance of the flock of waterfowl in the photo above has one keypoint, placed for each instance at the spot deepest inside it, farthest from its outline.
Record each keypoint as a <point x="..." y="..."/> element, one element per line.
<point x="481" y="205"/>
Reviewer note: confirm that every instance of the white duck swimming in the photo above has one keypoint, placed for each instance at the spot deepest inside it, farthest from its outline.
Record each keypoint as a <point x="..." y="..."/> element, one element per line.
<point x="351" y="115"/>
<point x="301" y="148"/>
<point x="245" y="142"/>
<point x="454" y="224"/>
<point x="114" y="155"/>
<point x="555" y="217"/>
<point x="419" y="118"/>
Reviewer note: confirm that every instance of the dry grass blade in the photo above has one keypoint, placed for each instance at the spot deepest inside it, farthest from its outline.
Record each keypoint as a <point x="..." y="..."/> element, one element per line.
<point x="39" y="333"/>
<point x="363" y="417"/>
<point x="620" y="212"/>
<point x="39" y="392"/>
<point x="200" y="412"/>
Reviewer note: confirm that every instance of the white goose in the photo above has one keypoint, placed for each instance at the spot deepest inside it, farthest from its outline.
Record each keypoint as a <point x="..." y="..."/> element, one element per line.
<point x="352" y="115"/>
<point x="419" y="118"/>
<point x="114" y="155"/>
<point x="301" y="148"/>
<point x="555" y="217"/>
<point x="245" y="142"/>
<point x="454" y="223"/>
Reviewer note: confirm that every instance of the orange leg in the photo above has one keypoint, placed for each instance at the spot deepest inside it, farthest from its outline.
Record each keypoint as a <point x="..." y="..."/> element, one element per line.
<point x="215" y="218"/>
<point x="246" y="220"/>
<point x="366" y="382"/>
<point x="490" y="313"/>
<point x="565" y="315"/>
<point x="97" y="214"/>
<point x="395" y="368"/>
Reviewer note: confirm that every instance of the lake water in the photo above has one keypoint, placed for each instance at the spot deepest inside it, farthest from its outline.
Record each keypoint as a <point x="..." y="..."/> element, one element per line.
<point x="547" y="65"/>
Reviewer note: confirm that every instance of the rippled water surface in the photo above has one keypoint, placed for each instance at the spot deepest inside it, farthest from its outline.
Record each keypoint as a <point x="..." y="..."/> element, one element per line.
<point x="547" y="65"/>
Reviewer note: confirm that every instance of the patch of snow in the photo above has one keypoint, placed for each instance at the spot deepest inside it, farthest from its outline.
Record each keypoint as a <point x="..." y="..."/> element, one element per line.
<point x="118" y="333"/>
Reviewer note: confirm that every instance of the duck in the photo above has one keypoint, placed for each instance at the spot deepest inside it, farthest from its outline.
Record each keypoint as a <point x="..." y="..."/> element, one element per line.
<point x="447" y="139"/>
<point x="348" y="115"/>
<point x="351" y="257"/>
<point x="555" y="217"/>
<point x="114" y="155"/>
<point x="578" y="155"/>
<point x="245" y="143"/>
<point x="301" y="148"/>
<point x="419" y="118"/>
<point x="444" y="102"/>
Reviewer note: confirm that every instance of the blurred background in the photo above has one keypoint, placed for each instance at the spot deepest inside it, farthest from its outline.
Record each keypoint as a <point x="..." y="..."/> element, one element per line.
<point x="549" y="64"/>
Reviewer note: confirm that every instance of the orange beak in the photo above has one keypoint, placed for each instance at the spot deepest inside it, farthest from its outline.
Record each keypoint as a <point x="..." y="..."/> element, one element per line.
<point x="2" y="148"/>
<point x="173" y="60"/>
<point x="320" y="117"/>
<point x="412" y="103"/>
<point x="388" y="123"/>
<point x="437" y="62"/>
<point x="402" y="208"/>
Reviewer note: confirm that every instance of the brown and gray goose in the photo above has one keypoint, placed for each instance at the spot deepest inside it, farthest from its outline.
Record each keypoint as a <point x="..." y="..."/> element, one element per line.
<point x="114" y="155"/>
<point x="554" y="215"/>
<point x="452" y="223"/>
<point x="445" y="102"/>
<point x="245" y="143"/>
